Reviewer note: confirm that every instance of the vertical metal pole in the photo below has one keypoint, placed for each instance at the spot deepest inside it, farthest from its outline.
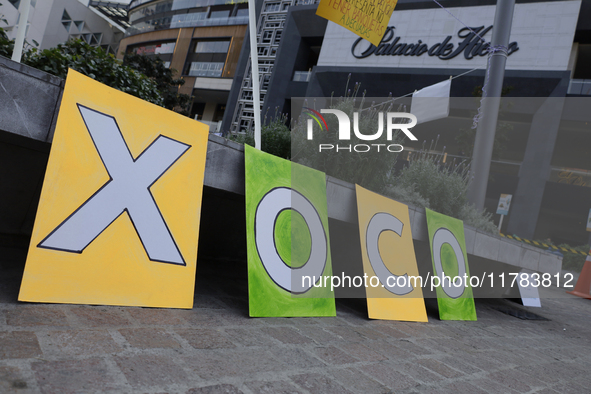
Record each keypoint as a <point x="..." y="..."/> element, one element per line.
<point x="19" y="42"/>
<point x="501" y="222"/>
<point x="491" y="99"/>
<point x="254" y="58"/>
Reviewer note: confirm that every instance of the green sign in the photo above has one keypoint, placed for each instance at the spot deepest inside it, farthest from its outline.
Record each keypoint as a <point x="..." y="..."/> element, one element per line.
<point x="287" y="238"/>
<point x="451" y="275"/>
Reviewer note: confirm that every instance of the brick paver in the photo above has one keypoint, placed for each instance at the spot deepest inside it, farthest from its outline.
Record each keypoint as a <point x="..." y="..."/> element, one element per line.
<point x="216" y="348"/>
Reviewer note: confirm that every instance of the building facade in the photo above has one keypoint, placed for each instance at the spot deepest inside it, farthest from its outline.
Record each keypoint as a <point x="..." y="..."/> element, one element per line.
<point x="52" y="22"/>
<point x="201" y="39"/>
<point x="546" y="165"/>
<point x="270" y="25"/>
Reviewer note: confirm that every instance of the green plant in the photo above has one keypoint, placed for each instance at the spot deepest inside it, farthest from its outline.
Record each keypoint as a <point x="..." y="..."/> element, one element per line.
<point x="407" y="195"/>
<point x="154" y="68"/>
<point x="371" y="169"/>
<point x="275" y="137"/>
<point x="97" y="64"/>
<point x="444" y="186"/>
<point x="428" y="183"/>
<point x="6" y="45"/>
<point x="572" y="261"/>
<point x="481" y="220"/>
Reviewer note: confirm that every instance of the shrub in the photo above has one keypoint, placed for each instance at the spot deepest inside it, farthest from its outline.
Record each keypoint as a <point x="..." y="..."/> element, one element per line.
<point x="445" y="189"/>
<point x="6" y="45"/>
<point x="372" y="169"/>
<point x="154" y="68"/>
<point x="428" y="183"/>
<point x="275" y="138"/>
<point x="481" y="220"/>
<point x="97" y="64"/>
<point x="571" y="261"/>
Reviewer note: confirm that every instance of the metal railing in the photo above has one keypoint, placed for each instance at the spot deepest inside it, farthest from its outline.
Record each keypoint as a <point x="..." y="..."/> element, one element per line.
<point x="145" y="27"/>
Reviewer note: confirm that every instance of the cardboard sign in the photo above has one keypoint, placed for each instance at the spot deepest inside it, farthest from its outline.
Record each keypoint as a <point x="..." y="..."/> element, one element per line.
<point x="530" y="296"/>
<point x="388" y="254"/>
<point x="431" y="102"/>
<point x="118" y="218"/>
<point x="450" y="265"/>
<point x="368" y="19"/>
<point x="504" y="204"/>
<point x="287" y="238"/>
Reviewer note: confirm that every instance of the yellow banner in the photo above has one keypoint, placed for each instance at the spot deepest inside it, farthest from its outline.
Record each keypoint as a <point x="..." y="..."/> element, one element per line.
<point x="394" y="288"/>
<point x="118" y="218"/>
<point x="366" y="18"/>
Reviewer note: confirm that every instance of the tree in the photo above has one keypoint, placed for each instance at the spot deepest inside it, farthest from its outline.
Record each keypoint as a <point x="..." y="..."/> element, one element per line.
<point x="6" y="45"/>
<point x="140" y="76"/>
<point x="95" y="63"/>
<point x="155" y="69"/>
<point x="275" y="137"/>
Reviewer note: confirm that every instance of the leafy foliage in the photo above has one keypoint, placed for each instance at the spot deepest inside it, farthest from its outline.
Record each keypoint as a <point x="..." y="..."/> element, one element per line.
<point x="444" y="188"/>
<point x="428" y="183"/>
<point x="155" y="69"/>
<point x="481" y="220"/>
<point x="97" y="64"/>
<point x="140" y="76"/>
<point x="571" y="261"/>
<point x="6" y="45"/>
<point x="371" y="169"/>
<point x="275" y="138"/>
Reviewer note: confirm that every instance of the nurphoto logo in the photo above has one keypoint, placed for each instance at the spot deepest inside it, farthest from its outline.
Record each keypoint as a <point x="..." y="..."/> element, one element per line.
<point x="394" y="121"/>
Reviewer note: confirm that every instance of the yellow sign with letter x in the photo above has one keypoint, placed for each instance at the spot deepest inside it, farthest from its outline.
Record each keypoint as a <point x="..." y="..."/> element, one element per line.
<point x="118" y="218"/>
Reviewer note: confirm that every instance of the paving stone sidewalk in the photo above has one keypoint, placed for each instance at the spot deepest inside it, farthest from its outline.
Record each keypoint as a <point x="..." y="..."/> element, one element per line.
<point x="217" y="348"/>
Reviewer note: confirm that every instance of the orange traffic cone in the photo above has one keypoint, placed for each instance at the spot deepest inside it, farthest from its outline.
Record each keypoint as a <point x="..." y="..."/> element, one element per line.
<point x="583" y="286"/>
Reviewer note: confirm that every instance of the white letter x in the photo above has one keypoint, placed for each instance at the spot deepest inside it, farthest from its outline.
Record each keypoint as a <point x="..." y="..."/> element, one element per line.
<point x="127" y="190"/>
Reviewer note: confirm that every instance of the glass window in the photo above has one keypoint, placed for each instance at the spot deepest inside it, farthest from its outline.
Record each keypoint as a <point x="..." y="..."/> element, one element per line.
<point x="206" y="69"/>
<point x="220" y="14"/>
<point x="165" y="48"/>
<point x="154" y="49"/>
<point x="183" y="4"/>
<point x="185" y="20"/>
<point x="272" y="7"/>
<point x="242" y="12"/>
<point x="212" y="47"/>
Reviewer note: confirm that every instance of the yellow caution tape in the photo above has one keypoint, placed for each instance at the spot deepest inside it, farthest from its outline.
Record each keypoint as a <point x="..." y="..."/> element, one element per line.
<point x="542" y="244"/>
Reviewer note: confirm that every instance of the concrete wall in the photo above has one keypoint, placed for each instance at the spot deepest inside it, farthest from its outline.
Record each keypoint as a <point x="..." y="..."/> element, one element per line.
<point x="543" y="32"/>
<point x="46" y="27"/>
<point x="28" y="108"/>
<point x="224" y="172"/>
